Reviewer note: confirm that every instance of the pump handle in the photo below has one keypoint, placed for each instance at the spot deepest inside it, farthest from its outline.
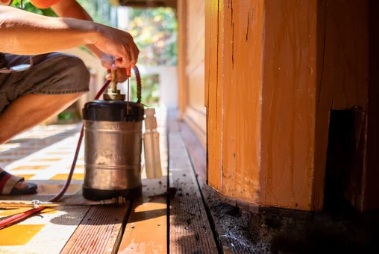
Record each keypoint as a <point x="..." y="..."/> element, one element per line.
<point x="138" y="80"/>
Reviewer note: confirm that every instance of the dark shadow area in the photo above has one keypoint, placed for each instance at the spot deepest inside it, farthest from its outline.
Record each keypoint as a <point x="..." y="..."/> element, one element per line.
<point x="343" y="160"/>
<point x="274" y="230"/>
<point x="372" y="178"/>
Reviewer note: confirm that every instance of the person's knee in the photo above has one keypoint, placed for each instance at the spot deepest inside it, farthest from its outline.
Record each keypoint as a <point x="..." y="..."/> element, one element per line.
<point x="78" y="73"/>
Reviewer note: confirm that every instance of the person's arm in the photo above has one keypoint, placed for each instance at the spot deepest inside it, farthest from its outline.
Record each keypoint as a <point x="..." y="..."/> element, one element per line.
<point x="72" y="9"/>
<point x="23" y="32"/>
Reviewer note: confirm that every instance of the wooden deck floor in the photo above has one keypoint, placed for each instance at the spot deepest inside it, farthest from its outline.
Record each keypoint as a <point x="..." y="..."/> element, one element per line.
<point x="171" y="217"/>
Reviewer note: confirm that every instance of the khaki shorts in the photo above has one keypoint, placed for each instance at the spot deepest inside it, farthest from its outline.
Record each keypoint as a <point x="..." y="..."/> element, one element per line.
<point x="53" y="73"/>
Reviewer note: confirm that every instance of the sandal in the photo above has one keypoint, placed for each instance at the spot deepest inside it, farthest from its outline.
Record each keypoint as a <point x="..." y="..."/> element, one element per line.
<point x="8" y="182"/>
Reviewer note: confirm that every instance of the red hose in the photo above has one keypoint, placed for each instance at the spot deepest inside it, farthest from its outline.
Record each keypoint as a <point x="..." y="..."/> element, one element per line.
<point x="9" y="221"/>
<point x="69" y="177"/>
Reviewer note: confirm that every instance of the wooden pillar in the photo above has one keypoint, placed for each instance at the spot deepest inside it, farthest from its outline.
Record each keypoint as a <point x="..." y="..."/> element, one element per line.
<point x="233" y="71"/>
<point x="279" y="72"/>
<point x="289" y="104"/>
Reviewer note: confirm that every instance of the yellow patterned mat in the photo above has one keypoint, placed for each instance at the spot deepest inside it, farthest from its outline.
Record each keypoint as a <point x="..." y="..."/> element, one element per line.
<point x="43" y="155"/>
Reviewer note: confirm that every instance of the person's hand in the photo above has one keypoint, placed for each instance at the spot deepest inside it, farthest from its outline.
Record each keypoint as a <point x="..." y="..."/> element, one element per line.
<point x="118" y="44"/>
<point x="121" y="74"/>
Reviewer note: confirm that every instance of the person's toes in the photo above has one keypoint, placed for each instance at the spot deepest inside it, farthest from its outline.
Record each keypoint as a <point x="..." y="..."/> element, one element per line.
<point x="21" y="185"/>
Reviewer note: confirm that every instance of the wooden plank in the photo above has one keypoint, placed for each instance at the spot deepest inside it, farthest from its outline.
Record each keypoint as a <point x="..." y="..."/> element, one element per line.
<point x="190" y="231"/>
<point x="146" y="229"/>
<point x="196" y="152"/>
<point x="98" y="231"/>
<point x="227" y="227"/>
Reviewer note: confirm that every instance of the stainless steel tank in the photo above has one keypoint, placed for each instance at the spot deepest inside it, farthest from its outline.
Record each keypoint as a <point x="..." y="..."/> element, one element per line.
<point x="112" y="150"/>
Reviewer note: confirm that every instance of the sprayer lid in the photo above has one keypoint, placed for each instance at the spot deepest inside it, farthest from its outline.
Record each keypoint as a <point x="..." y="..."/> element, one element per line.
<point x="149" y="111"/>
<point x="113" y="110"/>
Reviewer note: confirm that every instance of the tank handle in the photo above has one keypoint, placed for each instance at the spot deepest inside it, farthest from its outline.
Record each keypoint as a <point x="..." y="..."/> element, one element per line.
<point x="138" y="80"/>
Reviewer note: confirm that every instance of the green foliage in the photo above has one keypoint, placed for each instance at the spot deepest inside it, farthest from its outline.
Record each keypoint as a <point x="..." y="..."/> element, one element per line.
<point x="150" y="89"/>
<point x="95" y="9"/>
<point x="28" y="6"/>
<point x="98" y="10"/>
<point x="155" y="33"/>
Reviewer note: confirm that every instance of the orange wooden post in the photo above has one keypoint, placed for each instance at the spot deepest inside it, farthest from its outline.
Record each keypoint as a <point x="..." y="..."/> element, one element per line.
<point x="277" y="73"/>
<point x="234" y="84"/>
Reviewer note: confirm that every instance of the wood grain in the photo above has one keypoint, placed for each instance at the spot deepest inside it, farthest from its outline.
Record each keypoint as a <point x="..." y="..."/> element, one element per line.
<point x="98" y="232"/>
<point x="190" y="231"/>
